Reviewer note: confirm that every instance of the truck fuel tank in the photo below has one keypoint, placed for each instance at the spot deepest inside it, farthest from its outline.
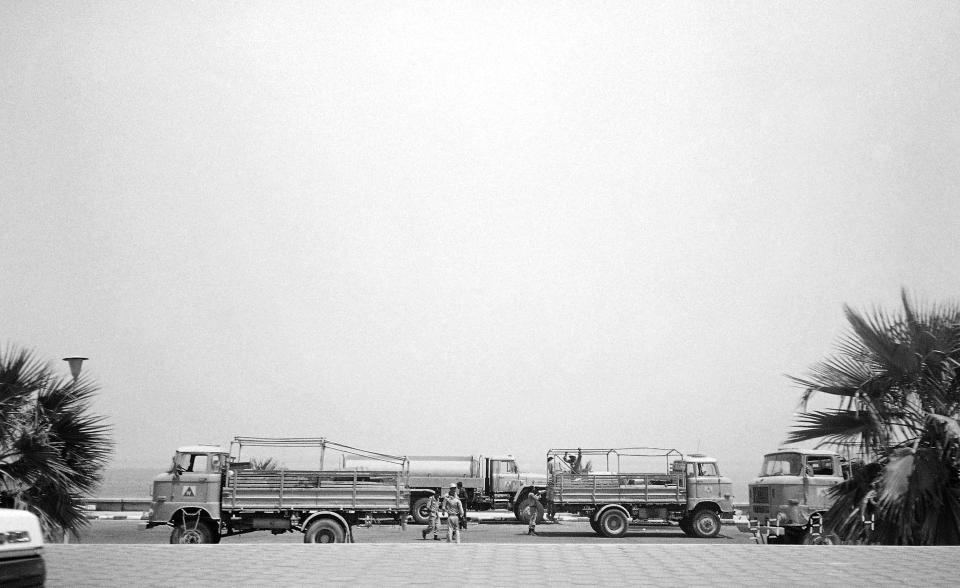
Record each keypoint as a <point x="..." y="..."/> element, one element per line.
<point x="422" y="465"/>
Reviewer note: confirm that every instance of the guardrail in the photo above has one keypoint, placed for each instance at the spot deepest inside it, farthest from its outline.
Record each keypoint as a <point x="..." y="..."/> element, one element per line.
<point x="117" y="504"/>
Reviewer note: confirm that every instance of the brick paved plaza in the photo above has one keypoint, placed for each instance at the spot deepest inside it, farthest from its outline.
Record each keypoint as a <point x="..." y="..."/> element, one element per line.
<point x="497" y="565"/>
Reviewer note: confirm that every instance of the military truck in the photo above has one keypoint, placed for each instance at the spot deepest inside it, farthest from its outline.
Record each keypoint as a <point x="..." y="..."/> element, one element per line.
<point x="485" y="482"/>
<point x="209" y="493"/>
<point x="790" y="498"/>
<point x="688" y="490"/>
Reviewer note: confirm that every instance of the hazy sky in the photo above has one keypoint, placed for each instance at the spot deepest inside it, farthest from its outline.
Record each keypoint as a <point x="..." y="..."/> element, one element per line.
<point x="449" y="227"/>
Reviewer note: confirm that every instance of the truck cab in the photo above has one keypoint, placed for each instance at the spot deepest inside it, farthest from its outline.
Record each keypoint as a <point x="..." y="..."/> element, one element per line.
<point x="504" y="477"/>
<point x="190" y="489"/>
<point x="791" y="495"/>
<point x="705" y="485"/>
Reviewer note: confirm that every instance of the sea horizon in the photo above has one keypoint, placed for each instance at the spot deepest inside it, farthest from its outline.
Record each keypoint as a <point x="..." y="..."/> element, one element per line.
<point x="127" y="482"/>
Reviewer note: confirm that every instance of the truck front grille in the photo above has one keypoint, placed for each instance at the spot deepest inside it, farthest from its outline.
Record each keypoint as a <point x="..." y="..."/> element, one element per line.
<point x="759" y="495"/>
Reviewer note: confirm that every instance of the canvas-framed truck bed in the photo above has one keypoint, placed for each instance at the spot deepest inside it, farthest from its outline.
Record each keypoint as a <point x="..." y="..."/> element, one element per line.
<point x="688" y="490"/>
<point x="211" y="493"/>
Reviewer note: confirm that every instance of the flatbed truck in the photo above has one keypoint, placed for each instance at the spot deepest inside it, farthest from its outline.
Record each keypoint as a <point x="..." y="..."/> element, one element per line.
<point x="689" y="491"/>
<point x="210" y="493"/>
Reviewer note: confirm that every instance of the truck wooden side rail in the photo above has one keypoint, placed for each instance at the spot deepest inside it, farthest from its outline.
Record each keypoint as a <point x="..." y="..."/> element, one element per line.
<point x="252" y="490"/>
<point x="609" y="488"/>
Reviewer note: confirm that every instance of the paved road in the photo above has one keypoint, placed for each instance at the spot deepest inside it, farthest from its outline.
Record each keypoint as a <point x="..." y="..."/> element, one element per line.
<point x="126" y="532"/>
<point x="429" y="563"/>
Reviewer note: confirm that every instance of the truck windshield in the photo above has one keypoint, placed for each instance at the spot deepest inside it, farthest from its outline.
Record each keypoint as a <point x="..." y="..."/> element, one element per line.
<point x="708" y="469"/>
<point x="188" y="462"/>
<point x="781" y="464"/>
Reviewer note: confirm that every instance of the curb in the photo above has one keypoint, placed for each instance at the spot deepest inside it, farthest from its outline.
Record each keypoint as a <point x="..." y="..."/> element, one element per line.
<point x="115" y="517"/>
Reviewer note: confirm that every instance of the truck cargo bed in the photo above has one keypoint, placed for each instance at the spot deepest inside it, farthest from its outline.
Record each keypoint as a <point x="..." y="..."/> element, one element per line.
<point x="640" y="488"/>
<point x="253" y="490"/>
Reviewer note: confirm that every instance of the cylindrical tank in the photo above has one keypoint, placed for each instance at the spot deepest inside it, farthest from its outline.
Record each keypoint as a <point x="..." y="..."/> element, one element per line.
<point x="420" y="465"/>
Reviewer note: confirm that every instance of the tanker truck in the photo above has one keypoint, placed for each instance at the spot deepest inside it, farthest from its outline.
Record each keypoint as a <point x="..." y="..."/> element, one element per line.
<point x="485" y="482"/>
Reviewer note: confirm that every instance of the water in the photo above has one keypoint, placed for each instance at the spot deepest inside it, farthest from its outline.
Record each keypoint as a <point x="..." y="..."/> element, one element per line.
<point x="127" y="482"/>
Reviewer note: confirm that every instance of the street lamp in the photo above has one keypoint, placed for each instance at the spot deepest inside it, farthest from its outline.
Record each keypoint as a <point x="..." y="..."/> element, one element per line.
<point x="76" y="364"/>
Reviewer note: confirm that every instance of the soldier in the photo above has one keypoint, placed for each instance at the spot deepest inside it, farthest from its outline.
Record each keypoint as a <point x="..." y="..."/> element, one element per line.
<point x="433" y="519"/>
<point x="532" y="508"/>
<point x="454" y="509"/>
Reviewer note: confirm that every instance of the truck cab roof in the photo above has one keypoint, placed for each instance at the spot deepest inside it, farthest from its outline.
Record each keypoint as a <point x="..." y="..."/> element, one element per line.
<point x="804" y="452"/>
<point x="699" y="458"/>
<point x="200" y="449"/>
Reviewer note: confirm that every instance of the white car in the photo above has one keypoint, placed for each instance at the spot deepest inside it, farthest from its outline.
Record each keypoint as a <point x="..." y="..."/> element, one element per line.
<point x="21" y="549"/>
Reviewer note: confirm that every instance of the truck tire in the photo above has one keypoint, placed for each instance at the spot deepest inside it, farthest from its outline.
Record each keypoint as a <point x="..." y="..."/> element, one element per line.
<point x="822" y="539"/>
<point x="188" y="534"/>
<point x="613" y="523"/>
<point x="419" y="510"/>
<point x="595" y="526"/>
<point x="324" y="531"/>
<point x="519" y="511"/>
<point x="686" y="525"/>
<point x="705" y="524"/>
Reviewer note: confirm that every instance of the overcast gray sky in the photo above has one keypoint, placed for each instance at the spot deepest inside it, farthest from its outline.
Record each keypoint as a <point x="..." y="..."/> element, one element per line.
<point x="439" y="227"/>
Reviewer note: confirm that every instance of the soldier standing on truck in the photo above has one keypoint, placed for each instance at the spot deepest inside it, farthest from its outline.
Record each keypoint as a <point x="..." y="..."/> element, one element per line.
<point x="433" y="521"/>
<point x="454" y="509"/>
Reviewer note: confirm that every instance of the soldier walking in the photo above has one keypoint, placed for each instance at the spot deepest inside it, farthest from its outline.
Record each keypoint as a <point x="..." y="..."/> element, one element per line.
<point x="433" y="518"/>
<point x="532" y="508"/>
<point x="454" y="509"/>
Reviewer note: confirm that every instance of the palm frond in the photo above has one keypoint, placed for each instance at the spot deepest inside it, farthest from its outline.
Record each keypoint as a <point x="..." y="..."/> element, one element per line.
<point x="835" y="426"/>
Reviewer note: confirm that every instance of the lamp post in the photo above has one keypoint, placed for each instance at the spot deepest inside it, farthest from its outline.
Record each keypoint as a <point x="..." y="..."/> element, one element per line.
<point x="76" y="364"/>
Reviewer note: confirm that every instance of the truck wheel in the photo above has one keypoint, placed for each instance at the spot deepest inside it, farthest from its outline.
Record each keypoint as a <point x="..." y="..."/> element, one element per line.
<point x="613" y="523"/>
<point x="420" y="511"/>
<point x="706" y="524"/>
<point x="595" y="526"/>
<point x="188" y="534"/>
<point x="822" y="539"/>
<point x="686" y="525"/>
<point x="520" y="512"/>
<point x="324" y="531"/>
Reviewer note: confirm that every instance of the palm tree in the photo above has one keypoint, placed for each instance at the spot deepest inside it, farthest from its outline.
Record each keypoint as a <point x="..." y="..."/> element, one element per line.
<point x="52" y="450"/>
<point x="895" y="376"/>
<point x="268" y="464"/>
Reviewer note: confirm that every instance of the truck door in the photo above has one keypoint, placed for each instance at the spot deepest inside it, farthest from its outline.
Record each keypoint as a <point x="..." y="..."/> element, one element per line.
<point x="820" y="473"/>
<point x="505" y="477"/>
<point x="196" y="478"/>
<point x="706" y="480"/>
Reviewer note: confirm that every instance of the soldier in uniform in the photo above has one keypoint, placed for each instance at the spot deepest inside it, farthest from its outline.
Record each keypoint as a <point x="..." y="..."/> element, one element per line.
<point x="433" y="519"/>
<point x="532" y="508"/>
<point x="454" y="509"/>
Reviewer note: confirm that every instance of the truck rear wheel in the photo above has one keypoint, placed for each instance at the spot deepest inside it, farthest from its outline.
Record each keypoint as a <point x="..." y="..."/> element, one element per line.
<point x="706" y="524"/>
<point x="324" y="531"/>
<point x="613" y="523"/>
<point x="420" y="511"/>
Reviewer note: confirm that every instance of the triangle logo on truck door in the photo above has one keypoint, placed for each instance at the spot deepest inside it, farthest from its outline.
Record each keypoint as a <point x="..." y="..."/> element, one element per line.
<point x="189" y="491"/>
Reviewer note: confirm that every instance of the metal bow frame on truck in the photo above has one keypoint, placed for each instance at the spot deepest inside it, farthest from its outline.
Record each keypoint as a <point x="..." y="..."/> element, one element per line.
<point x="236" y="447"/>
